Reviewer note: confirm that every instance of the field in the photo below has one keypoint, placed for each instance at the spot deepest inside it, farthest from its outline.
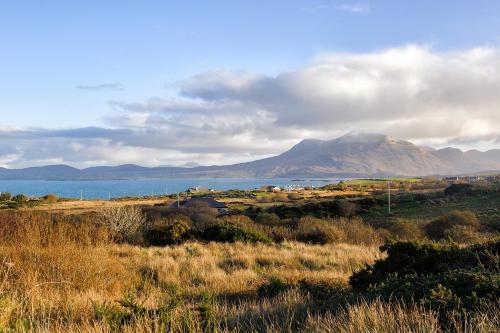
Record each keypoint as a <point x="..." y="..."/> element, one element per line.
<point x="289" y="263"/>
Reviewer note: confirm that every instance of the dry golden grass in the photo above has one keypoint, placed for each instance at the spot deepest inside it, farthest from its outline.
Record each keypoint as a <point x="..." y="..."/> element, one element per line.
<point x="65" y="275"/>
<point x="53" y="274"/>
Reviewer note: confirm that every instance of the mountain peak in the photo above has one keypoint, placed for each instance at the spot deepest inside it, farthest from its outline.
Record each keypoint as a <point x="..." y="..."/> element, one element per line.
<point x="361" y="137"/>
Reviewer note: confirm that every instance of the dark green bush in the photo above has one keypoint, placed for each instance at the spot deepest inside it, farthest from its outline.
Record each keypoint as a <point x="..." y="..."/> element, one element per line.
<point x="437" y="229"/>
<point x="420" y="196"/>
<point x="455" y="189"/>
<point x="444" y="277"/>
<point x="228" y="232"/>
<point x="319" y="209"/>
<point x="368" y="203"/>
<point x="451" y="290"/>
<point x="348" y="208"/>
<point x="407" y="258"/>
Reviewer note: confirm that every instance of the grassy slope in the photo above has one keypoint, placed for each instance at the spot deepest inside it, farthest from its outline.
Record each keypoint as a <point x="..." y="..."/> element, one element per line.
<point x="485" y="206"/>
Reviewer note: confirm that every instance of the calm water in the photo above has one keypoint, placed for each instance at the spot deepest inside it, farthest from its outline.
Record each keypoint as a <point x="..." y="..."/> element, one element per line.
<point x="104" y="189"/>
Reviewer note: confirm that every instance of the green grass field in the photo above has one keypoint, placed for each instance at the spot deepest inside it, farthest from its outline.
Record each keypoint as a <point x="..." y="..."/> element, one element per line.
<point x="376" y="181"/>
<point x="485" y="206"/>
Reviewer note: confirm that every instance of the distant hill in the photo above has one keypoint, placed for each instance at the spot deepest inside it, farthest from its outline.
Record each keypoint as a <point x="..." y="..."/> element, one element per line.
<point x="352" y="155"/>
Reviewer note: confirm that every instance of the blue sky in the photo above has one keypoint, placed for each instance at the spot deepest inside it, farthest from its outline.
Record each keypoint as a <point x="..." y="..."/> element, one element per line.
<point x="75" y="64"/>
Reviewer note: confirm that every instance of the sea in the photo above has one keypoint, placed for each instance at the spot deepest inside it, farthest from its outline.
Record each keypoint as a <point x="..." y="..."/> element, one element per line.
<point x="109" y="189"/>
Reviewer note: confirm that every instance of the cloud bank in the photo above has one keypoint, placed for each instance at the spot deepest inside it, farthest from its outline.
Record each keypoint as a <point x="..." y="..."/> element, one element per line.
<point x="219" y="117"/>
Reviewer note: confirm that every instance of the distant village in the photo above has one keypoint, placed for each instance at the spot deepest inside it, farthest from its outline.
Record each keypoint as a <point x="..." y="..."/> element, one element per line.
<point x="472" y="179"/>
<point x="266" y="188"/>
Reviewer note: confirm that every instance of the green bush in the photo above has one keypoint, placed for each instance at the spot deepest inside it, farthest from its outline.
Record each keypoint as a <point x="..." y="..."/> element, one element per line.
<point x="444" y="277"/>
<point x="161" y="235"/>
<point x="228" y="232"/>
<point x="451" y="290"/>
<point x="20" y="198"/>
<point x="437" y="229"/>
<point x="455" y="189"/>
<point x="424" y="258"/>
<point x="319" y="209"/>
<point x="368" y="203"/>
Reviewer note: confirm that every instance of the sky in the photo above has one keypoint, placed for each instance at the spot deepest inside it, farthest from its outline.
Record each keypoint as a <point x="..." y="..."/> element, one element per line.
<point x="153" y="83"/>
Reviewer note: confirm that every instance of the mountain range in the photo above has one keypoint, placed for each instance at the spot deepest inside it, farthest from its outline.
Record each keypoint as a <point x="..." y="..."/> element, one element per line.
<point x="352" y="155"/>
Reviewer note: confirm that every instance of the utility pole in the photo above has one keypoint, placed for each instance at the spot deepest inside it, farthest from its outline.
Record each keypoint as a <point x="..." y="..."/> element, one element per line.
<point x="178" y="203"/>
<point x="389" y="196"/>
<point x="81" y="195"/>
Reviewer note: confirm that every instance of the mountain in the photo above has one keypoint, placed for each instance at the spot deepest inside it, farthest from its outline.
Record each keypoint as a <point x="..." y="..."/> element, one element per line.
<point x="352" y="155"/>
<point x="362" y="155"/>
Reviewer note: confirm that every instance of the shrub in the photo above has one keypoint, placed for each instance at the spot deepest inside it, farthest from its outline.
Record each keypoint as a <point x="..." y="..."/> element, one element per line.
<point x="369" y="203"/>
<point x="405" y="229"/>
<point x="50" y="198"/>
<point x="424" y="258"/>
<point x="280" y="197"/>
<point x="40" y="229"/>
<point x="452" y="290"/>
<point x="293" y="196"/>
<point x="317" y="231"/>
<point x="269" y="219"/>
<point x="357" y="232"/>
<point x="463" y="234"/>
<point x="201" y="214"/>
<point x="228" y="232"/>
<point x="241" y="221"/>
<point x="124" y="222"/>
<point x="443" y="277"/>
<point x="420" y="196"/>
<point x="455" y="189"/>
<point x="161" y="235"/>
<point x="20" y="198"/>
<point x="319" y="209"/>
<point x="348" y="209"/>
<point x="5" y="196"/>
<point x="437" y="229"/>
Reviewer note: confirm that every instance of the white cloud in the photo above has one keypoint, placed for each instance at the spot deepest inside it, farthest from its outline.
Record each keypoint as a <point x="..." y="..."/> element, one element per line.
<point x="102" y="86"/>
<point x="356" y="8"/>
<point x="412" y="92"/>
